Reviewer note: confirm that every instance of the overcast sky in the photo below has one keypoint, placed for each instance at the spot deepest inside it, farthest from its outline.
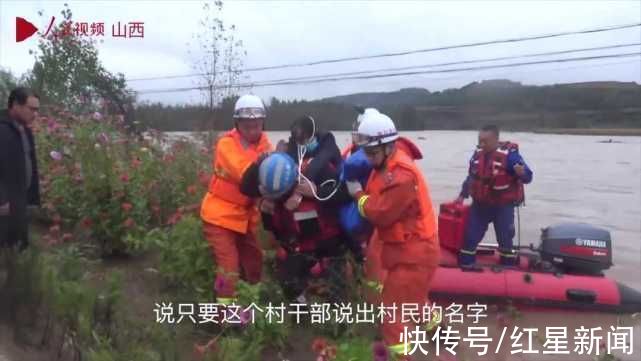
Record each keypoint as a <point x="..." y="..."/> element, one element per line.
<point x="282" y="32"/>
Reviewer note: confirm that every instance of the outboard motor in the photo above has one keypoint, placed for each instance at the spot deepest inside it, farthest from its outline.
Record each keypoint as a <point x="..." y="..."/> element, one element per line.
<point x="577" y="248"/>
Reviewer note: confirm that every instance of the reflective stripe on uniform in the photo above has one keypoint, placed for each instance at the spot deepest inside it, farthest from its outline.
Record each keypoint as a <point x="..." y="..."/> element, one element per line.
<point x="361" y="205"/>
<point x="464" y="251"/>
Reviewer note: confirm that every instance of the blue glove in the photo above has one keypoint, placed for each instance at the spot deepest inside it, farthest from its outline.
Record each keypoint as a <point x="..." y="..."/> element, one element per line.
<point x="351" y="221"/>
<point x="356" y="168"/>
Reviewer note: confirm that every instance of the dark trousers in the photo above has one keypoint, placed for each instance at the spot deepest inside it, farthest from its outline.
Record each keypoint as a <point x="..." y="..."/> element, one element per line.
<point x="502" y="217"/>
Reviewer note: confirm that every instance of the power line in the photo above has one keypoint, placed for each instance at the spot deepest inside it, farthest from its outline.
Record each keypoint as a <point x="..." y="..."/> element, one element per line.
<point x="408" y="52"/>
<point x="375" y="76"/>
<point x="464" y="62"/>
<point x="484" y="67"/>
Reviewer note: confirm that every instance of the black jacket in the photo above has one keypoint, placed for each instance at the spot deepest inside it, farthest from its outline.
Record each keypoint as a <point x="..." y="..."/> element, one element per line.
<point x="326" y="153"/>
<point x="325" y="165"/>
<point x="13" y="228"/>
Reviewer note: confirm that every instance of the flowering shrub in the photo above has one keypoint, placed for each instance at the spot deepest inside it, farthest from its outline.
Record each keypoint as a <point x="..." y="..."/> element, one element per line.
<point x="130" y="193"/>
<point x="115" y="185"/>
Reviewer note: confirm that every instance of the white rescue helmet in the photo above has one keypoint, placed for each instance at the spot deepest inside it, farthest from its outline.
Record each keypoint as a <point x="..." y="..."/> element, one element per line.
<point x="374" y="129"/>
<point x="249" y="107"/>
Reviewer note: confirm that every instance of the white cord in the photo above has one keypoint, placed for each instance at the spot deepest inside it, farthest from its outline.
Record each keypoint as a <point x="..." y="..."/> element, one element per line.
<point x="302" y="149"/>
<point x="325" y="182"/>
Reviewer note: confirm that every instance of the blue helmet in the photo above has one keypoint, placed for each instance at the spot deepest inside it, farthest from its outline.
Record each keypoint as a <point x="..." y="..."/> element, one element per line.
<point x="277" y="175"/>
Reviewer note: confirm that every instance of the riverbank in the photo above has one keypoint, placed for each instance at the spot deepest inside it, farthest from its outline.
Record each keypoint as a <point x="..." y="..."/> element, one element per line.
<point x="592" y="131"/>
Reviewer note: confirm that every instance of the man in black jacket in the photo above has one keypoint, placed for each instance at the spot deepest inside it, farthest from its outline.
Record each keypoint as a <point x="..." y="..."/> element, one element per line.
<point x="19" y="186"/>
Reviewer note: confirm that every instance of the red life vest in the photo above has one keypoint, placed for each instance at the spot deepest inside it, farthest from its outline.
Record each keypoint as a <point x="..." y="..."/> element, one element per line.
<point x="491" y="183"/>
<point x="306" y="226"/>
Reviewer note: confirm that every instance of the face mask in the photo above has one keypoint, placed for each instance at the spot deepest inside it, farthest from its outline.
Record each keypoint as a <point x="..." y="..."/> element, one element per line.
<point x="311" y="146"/>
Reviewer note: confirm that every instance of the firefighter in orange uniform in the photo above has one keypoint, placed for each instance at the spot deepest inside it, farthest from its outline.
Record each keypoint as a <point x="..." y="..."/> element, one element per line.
<point x="397" y="203"/>
<point x="229" y="217"/>
<point x="354" y="168"/>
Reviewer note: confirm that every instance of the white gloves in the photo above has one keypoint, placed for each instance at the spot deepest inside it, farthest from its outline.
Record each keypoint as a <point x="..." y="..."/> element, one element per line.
<point x="353" y="187"/>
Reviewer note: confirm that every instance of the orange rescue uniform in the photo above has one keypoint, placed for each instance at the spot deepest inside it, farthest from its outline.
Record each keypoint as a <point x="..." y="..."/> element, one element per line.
<point x="374" y="272"/>
<point x="397" y="203"/>
<point x="229" y="217"/>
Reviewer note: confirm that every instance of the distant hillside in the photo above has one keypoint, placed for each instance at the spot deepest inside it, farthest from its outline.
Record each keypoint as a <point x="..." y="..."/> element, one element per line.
<point x="407" y="96"/>
<point x="508" y="94"/>
<point x="511" y="105"/>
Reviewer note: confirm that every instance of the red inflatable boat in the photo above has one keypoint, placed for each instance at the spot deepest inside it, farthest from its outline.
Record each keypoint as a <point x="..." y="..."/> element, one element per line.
<point x="564" y="271"/>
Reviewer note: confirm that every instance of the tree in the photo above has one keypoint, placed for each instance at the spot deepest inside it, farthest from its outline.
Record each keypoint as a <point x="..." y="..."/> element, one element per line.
<point x="68" y="72"/>
<point x="220" y="56"/>
<point x="7" y="83"/>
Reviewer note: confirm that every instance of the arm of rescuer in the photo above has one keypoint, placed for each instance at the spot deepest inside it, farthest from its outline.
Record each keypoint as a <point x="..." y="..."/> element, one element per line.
<point x="389" y="206"/>
<point x="465" y="187"/>
<point x="249" y="186"/>
<point x="514" y="162"/>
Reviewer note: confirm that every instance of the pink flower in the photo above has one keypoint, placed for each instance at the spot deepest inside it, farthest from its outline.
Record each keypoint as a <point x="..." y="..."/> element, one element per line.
<point x="97" y="116"/>
<point x="175" y="218"/>
<point x="380" y="351"/>
<point x="316" y="270"/>
<point x="54" y="229"/>
<point x="168" y="158"/>
<point x="55" y="155"/>
<point x="135" y="163"/>
<point x="103" y="138"/>
<point x="319" y="344"/>
<point x="52" y="125"/>
<point x="245" y="317"/>
<point x="219" y="284"/>
<point x="203" y="178"/>
<point x="124" y="178"/>
<point x="126" y="207"/>
<point x="129" y="223"/>
<point x="87" y="223"/>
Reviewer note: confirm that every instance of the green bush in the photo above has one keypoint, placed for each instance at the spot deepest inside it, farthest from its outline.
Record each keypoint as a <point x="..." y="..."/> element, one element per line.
<point x="185" y="257"/>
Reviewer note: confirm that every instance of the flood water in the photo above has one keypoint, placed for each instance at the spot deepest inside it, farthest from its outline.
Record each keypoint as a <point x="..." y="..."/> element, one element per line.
<point x="576" y="179"/>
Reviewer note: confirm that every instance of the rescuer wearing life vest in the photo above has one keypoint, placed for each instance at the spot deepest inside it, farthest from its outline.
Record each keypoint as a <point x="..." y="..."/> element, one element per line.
<point x="495" y="180"/>
<point x="397" y="203"/>
<point x="229" y="217"/>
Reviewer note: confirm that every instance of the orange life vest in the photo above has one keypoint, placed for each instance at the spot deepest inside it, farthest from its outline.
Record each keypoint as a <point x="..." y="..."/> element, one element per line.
<point x="224" y="205"/>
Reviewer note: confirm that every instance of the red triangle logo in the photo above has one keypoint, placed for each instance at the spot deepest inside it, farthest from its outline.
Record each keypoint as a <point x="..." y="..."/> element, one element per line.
<point x="24" y="29"/>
